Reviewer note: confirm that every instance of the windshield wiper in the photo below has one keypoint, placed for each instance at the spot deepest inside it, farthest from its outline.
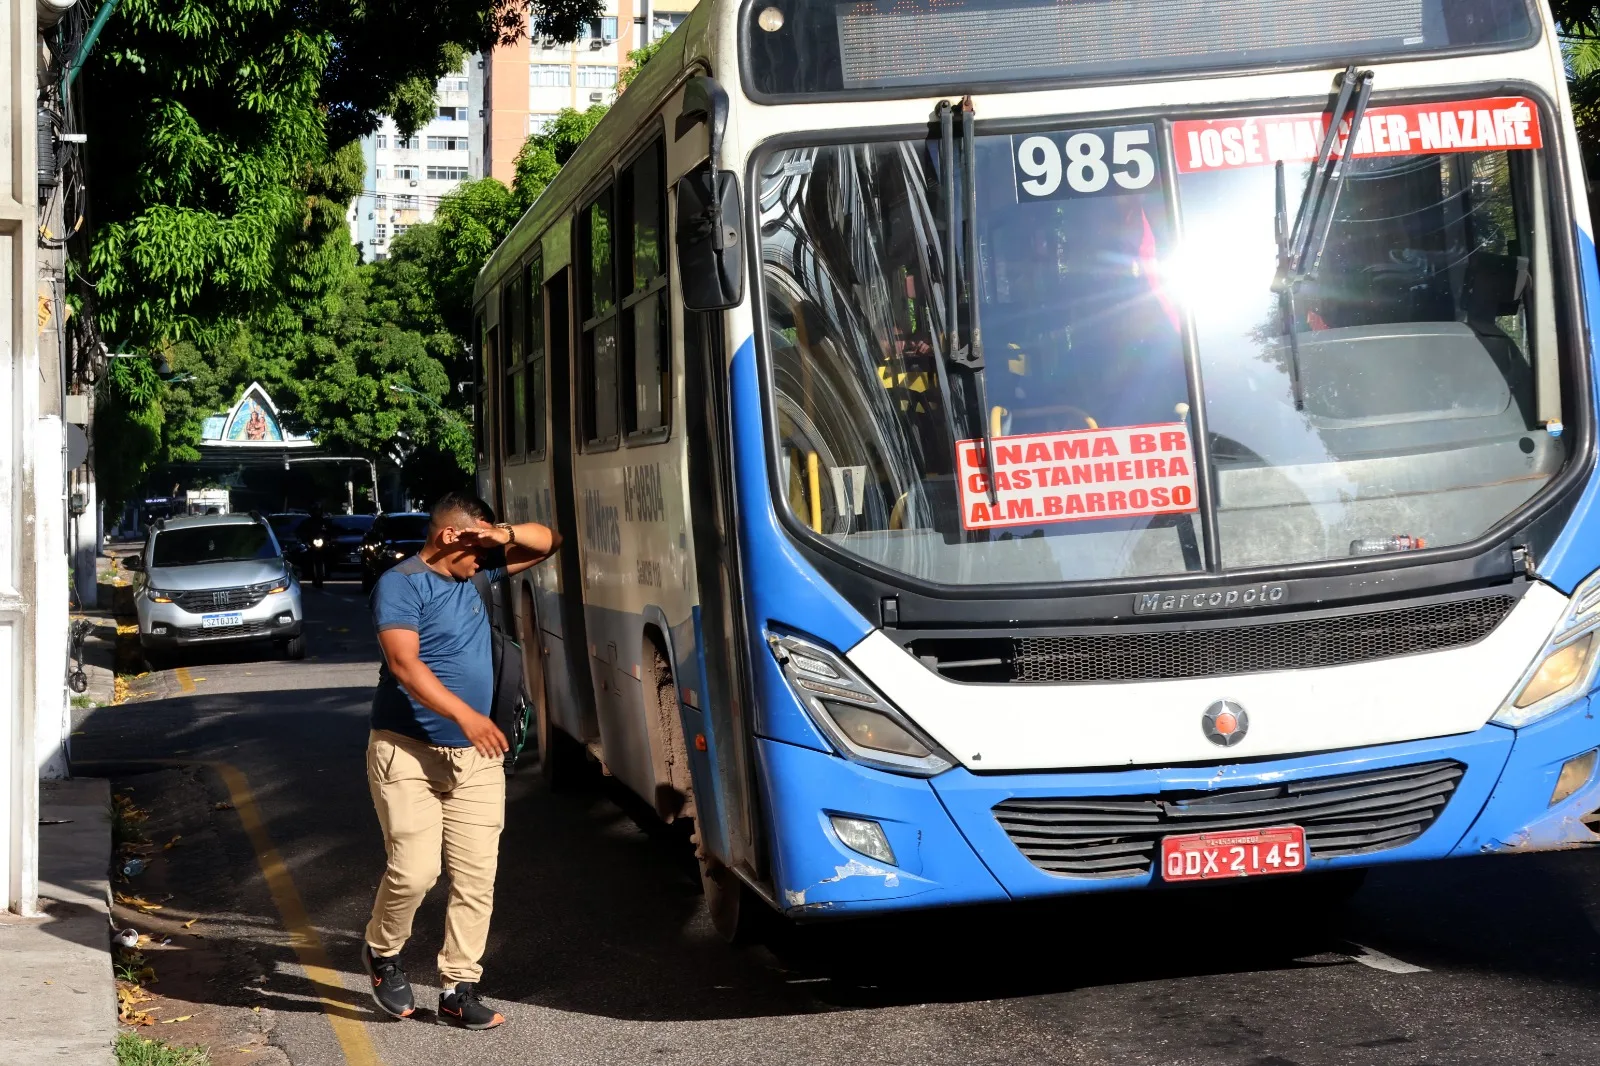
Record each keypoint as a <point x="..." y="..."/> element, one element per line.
<point x="1300" y="250"/>
<point x="968" y="357"/>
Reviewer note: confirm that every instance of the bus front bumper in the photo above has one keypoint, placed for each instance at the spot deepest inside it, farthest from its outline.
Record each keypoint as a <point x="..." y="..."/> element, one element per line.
<point x="949" y="849"/>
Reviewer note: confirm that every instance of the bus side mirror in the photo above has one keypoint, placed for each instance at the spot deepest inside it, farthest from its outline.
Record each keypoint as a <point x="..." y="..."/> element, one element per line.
<point x="710" y="263"/>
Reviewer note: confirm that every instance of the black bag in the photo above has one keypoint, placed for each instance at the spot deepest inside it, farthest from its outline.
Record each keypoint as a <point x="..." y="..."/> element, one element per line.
<point x="510" y="708"/>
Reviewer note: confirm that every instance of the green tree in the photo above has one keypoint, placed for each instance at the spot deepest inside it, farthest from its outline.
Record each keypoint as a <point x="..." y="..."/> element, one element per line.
<point x="544" y="153"/>
<point x="128" y="427"/>
<point x="637" y="59"/>
<point x="471" y="220"/>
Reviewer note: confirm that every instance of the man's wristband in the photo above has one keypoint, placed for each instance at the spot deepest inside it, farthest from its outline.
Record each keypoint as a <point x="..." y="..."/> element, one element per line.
<point x="511" y="531"/>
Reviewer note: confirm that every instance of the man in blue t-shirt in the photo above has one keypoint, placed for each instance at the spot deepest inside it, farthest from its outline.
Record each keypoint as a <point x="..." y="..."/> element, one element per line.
<point x="435" y="758"/>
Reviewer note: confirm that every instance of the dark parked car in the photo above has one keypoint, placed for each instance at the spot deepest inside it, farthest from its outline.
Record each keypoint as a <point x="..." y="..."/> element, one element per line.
<point x="286" y="527"/>
<point x="393" y="536"/>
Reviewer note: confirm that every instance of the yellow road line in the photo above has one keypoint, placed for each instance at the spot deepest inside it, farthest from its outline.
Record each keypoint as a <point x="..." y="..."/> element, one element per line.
<point x="185" y="681"/>
<point x="350" y="1031"/>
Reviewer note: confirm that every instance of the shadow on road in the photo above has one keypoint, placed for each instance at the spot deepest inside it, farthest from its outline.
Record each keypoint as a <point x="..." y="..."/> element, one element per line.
<point x="598" y="908"/>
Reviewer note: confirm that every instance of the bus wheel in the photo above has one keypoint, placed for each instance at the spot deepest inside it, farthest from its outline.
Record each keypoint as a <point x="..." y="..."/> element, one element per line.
<point x="736" y="912"/>
<point x="561" y="759"/>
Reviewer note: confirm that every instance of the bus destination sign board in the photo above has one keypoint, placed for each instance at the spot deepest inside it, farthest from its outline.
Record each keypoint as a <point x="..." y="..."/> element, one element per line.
<point x="1078" y="475"/>
<point x="1497" y="123"/>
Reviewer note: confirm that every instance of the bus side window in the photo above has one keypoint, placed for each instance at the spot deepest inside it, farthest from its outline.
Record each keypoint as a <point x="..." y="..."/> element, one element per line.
<point x="533" y="377"/>
<point x="513" y="417"/>
<point x="598" y="308"/>
<point x="480" y="371"/>
<point x="646" y="345"/>
<point x="488" y="389"/>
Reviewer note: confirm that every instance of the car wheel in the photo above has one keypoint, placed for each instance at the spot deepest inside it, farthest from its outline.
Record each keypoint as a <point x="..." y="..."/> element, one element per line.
<point x="295" y="648"/>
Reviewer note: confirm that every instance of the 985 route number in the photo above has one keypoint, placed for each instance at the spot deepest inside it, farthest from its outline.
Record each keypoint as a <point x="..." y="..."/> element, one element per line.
<point x="1063" y="164"/>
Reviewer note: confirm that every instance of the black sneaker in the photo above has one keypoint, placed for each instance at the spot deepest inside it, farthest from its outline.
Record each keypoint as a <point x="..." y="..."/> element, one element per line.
<point x="390" y="989"/>
<point x="463" y="1008"/>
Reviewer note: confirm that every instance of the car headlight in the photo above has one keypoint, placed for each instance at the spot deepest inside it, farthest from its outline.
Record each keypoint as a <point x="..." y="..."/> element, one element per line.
<point x="316" y="542"/>
<point x="157" y="596"/>
<point x="1565" y="667"/>
<point x="863" y="725"/>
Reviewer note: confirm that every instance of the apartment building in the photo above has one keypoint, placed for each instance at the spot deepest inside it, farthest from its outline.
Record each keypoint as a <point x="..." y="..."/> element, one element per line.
<point x="527" y="83"/>
<point x="407" y="176"/>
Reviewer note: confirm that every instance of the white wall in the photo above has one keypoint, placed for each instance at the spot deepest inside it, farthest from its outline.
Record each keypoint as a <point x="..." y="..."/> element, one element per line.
<point x="33" y="557"/>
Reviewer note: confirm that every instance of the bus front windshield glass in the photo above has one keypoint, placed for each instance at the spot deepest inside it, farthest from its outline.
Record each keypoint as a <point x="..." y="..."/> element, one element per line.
<point x="1416" y="404"/>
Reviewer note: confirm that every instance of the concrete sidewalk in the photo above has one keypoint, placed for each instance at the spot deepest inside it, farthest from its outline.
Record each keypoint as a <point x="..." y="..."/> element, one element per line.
<point x="58" y="999"/>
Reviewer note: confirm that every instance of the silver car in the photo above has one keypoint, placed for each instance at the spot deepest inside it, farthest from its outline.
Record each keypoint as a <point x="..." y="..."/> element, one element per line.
<point x="207" y="579"/>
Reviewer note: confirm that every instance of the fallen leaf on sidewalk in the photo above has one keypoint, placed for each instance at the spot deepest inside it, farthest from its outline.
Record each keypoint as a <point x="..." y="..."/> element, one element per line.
<point x="197" y="679"/>
<point x="222" y="806"/>
<point x="169" y="845"/>
<point x="179" y="1018"/>
<point x="190" y="922"/>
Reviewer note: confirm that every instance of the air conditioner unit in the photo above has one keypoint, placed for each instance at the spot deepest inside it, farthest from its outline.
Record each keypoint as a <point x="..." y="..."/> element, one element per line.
<point x="369" y="216"/>
<point x="413" y="183"/>
<point x="596" y="44"/>
<point x="547" y="42"/>
<point x="595" y="98"/>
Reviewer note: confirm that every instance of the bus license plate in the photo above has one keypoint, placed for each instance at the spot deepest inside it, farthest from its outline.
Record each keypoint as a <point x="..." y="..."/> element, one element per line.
<point x="221" y="621"/>
<point x="1237" y="853"/>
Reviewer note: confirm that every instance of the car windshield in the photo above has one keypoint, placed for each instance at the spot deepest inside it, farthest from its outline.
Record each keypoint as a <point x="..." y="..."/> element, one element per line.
<point x="1417" y="404"/>
<point x="211" y="544"/>
<point x="352" y="523"/>
<point x="406" y="527"/>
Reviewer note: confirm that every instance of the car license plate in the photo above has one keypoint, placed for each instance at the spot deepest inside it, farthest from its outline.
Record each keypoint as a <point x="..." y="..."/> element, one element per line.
<point x="221" y="621"/>
<point x="1236" y="853"/>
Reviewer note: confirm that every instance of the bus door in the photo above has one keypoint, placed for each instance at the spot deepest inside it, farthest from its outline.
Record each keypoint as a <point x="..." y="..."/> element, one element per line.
<point x="578" y="720"/>
<point x="722" y="649"/>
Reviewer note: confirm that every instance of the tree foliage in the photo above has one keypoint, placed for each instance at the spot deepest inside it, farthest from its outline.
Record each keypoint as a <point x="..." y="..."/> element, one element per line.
<point x="637" y="59"/>
<point x="544" y="153"/>
<point x="221" y="243"/>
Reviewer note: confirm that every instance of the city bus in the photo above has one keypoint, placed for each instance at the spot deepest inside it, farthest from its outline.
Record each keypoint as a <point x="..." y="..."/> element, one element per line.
<point x="1008" y="449"/>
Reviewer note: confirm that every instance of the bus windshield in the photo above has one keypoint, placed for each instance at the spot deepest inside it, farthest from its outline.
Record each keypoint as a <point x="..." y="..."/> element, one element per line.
<point x="1415" y="405"/>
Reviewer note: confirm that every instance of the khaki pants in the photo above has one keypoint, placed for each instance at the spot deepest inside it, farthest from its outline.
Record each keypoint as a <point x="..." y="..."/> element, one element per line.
<point x="432" y="802"/>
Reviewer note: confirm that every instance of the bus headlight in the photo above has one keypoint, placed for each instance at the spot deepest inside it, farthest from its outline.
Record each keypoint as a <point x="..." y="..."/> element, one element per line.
<point x="862" y="725"/>
<point x="1565" y="668"/>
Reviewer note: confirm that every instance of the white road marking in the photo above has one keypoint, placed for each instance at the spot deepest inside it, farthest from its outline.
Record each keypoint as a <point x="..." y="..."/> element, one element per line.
<point x="1377" y="960"/>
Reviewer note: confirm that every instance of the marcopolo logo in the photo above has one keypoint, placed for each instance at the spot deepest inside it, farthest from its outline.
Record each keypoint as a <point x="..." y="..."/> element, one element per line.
<point x="1210" y="599"/>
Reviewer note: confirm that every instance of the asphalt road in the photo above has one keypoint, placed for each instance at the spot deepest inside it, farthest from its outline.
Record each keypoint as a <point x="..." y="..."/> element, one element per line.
<point x="602" y="953"/>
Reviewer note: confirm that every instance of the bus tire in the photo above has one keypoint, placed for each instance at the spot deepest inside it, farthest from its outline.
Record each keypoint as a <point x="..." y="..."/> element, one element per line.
<point x="737" y="913"/>
<point x="561" y="759"/>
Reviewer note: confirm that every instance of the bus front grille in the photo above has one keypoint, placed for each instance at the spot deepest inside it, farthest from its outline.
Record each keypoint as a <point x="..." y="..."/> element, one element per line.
<point x="1204" y="648"/>
<point x="1352" y="814"/>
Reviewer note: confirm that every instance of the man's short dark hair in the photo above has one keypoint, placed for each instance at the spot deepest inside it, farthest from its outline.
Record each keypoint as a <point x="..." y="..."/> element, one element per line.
<point x="452" y="506"/>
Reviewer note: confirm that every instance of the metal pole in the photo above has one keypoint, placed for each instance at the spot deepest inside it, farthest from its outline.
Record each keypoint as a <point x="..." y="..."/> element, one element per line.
<point x="100" y="19"/>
